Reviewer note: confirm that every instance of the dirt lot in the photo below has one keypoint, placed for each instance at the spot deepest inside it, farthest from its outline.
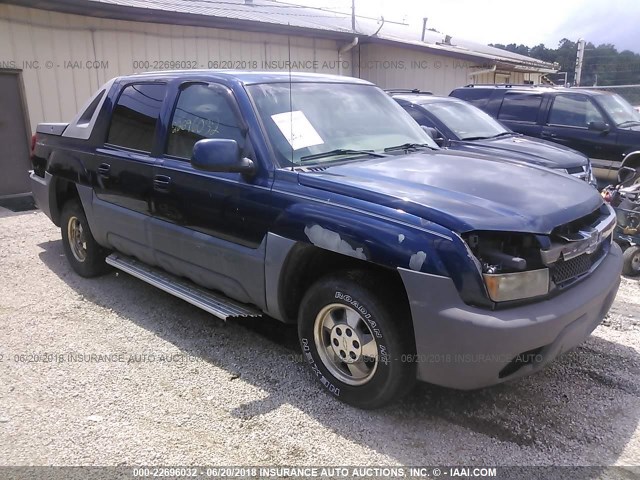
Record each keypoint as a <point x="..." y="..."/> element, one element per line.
<point x="174" y="385"/>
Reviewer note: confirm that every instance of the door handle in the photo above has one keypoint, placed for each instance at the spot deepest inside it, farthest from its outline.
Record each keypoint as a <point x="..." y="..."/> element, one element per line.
<point x="104" y="169"/>
<point x="548" y="135"/>
<point x="161" y="183"/>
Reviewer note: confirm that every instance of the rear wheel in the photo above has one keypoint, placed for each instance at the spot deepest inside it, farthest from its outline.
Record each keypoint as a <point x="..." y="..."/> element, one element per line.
<point x="631" y="259"/>
<point x="83" y="252"/>
<point x="357" y="339"/>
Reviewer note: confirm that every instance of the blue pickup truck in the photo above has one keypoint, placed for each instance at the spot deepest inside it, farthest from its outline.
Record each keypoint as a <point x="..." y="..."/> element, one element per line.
<point x="318" y="201"/>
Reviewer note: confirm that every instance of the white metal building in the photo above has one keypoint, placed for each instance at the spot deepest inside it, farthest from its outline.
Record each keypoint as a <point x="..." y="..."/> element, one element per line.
<point x="55" y="54"/>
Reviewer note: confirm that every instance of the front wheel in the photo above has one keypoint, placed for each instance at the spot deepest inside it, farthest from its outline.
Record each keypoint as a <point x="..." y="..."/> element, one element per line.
<point x="83" y="252"/>
<point x="631" y="261"/>
<point x="357" y="340"/>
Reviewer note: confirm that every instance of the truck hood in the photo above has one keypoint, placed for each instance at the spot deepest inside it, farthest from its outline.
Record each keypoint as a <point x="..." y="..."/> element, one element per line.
<point x="525" y="149"/>
<point x="463" y="192"/>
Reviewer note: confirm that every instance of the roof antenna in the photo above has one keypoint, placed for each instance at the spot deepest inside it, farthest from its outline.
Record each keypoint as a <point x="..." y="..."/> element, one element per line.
<point x="290" y="100"/>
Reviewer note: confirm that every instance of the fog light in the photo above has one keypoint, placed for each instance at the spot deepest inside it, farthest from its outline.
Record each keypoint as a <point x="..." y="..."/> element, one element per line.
<point x="516" y="286"/>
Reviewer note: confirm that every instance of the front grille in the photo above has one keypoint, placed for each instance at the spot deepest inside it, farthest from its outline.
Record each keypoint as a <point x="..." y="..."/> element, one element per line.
<point x="583" y="223"/>
<point x="574" y="170"/>
<point x="566" y="270"/>
<point x="578" y="172"/>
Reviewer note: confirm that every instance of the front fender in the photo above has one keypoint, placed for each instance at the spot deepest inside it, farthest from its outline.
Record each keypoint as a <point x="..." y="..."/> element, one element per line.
<point x="382" y="241"/>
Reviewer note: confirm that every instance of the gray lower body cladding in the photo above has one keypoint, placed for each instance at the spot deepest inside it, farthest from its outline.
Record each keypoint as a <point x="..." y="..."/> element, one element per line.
<point x="40" y="189"/>
<point x="465" y="347"/>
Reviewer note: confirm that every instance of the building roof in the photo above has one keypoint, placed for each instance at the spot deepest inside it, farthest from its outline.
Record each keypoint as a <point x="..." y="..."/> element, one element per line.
<point x="264" y="15"/>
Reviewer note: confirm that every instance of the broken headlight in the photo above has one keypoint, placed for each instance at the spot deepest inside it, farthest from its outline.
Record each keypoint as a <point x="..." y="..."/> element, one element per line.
<point x="510" y="265"/>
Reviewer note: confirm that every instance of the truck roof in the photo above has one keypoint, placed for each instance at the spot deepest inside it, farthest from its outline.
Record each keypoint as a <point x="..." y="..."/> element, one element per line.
<point x="251" y="77"/>
<point x="537" y="89"/>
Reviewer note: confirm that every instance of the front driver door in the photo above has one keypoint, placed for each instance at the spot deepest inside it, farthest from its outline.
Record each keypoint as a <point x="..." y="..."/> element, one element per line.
<point x="210" y="227"/>
<point x="568" y="124"/>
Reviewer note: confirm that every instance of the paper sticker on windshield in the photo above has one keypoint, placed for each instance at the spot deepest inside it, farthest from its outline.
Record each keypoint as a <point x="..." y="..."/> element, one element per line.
<point x="297" y="129"/>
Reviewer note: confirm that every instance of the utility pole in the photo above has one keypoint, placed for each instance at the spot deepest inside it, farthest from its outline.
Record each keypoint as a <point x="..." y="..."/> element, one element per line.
<point x="579" y="57"/>
<point x="424" y="27"/>
<point x="353" y="15"/>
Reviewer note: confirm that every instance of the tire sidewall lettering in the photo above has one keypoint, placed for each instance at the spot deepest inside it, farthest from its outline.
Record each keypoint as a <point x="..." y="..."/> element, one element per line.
<point x="363" y="294"/>
<point x="306" y="349"/>
<point x="364" y="313"/>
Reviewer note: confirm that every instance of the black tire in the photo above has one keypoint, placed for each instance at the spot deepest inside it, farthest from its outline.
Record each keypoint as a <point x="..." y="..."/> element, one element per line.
<point x="391" y="374"/>
<point x="87" y="259"/>
<point x="631" y="259"/>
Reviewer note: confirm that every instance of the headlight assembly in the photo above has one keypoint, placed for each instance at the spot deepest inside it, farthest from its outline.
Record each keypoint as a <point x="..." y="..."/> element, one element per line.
<point x="518" y="285"/>
<point x="511" y="266"/>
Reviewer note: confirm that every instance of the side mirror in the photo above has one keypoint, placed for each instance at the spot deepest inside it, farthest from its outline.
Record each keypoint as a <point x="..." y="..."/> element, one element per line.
<point x="218" y="155"/>
<point x="434" y="134"/>
<point x="599" y="126"/>
<point x="626" y="174"/>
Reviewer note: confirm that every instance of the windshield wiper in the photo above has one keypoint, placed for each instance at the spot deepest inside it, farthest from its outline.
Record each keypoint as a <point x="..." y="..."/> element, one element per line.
<point x="340" y="151"/>
<point x="471" y="139"/>
<point x="409" y="146"/>
<point x="628" y="123"/>
<point x="502" y="134"/>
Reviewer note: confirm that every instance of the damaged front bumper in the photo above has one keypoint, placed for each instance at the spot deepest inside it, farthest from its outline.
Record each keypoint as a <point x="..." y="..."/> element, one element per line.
<point x="465" y="347"/>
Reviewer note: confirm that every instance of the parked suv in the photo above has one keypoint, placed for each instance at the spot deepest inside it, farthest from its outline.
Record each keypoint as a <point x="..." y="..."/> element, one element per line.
<point x="458" y="125"/>
<point x="602" y="125"/>
<point x="318" y="201"/>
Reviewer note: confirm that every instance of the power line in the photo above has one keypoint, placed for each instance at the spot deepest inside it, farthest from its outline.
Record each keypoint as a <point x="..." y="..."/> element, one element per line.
<point x="330" y="10"/>
<point x="254" y="8"/>
<point x="258" y="8"/>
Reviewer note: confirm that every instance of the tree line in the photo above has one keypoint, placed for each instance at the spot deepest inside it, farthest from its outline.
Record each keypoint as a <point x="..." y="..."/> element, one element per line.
<point x="602" y="65"/>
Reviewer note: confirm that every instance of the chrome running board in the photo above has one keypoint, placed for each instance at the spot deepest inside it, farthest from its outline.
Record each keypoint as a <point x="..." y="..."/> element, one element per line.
<point x="215" y="303"/>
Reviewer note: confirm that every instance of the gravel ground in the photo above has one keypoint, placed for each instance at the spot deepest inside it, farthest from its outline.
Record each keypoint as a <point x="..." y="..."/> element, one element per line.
<point x="177" y="386"/>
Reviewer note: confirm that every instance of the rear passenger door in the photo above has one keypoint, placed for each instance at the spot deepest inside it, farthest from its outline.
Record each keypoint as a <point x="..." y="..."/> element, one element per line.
<point x="208" y="226"/>
<point x="123" y="169"/>
<point x="519" y="111"/>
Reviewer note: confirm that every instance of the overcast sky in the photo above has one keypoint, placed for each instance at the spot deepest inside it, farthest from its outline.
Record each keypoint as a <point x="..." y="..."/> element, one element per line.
<point x="531" y="23"/>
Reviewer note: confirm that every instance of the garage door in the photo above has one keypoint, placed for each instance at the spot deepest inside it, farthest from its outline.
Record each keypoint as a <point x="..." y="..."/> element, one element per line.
<point x="14" y="138"/>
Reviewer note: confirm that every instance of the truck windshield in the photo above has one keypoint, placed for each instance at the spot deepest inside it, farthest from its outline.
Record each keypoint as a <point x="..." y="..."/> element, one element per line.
<point x="620" y="111"/>
<point x="323" y="122"/>
<point x="466" y="121"/>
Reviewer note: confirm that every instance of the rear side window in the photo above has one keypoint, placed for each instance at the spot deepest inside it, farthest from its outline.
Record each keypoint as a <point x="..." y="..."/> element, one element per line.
<point x="202" y="111"/>
<point x="134" y="118"/>
<point x="520" y="107"/>
<point x="574" y="111"/>
<point x="475" y="96"/>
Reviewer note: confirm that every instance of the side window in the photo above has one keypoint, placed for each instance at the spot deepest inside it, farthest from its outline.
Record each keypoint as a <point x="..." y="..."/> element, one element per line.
<point x="419" y="117"/>
<point x="134" y="118"/>
<point x="573" y="110"/>
<point x="475" y="96"/>
<point x="201" y="112"/>
<point x="520" y="107"/>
